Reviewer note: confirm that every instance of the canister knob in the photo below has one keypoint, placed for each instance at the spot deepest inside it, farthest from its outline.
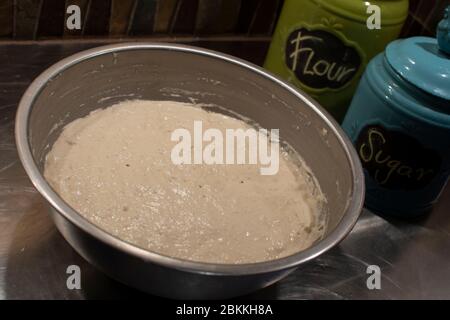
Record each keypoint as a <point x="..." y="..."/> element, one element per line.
<point x="443" y="32"/>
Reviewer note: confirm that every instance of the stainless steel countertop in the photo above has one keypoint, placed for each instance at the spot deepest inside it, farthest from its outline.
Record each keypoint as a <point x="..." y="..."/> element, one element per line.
<point x="414" y="256"/>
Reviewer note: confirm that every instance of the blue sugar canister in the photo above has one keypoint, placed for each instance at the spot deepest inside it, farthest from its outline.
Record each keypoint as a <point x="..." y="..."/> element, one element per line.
<point x="399" y="121"/>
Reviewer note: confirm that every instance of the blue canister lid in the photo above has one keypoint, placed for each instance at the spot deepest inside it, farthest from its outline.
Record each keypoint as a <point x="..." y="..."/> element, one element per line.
<point x="443" y="32"/>
<point x="420" y="61"/>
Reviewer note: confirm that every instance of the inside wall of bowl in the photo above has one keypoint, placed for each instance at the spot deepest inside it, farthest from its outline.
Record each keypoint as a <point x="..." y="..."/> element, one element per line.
<point x="158" y="74"/>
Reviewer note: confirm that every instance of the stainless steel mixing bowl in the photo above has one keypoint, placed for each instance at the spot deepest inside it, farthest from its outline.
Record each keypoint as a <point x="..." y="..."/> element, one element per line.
<point x="103" y="76"/>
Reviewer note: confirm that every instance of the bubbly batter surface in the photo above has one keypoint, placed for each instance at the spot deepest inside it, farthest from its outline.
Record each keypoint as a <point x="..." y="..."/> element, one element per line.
<point x="114" y="167"/>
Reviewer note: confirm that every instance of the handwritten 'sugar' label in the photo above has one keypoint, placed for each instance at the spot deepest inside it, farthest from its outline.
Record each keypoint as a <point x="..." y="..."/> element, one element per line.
<point x="395" y="160"/>
<point x="320" y="60"/>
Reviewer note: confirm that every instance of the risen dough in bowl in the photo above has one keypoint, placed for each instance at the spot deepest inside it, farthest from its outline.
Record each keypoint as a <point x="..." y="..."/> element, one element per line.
<point x="114" y="167"/>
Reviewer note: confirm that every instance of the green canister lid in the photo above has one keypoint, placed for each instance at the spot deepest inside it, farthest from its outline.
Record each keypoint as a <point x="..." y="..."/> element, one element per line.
<point x="393" y="11"/>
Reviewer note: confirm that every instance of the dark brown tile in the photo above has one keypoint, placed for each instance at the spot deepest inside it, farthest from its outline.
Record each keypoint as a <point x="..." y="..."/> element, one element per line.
<point x="26" y="18"/>
<point x="217" y="16"/>
<point x="121" y="11"/>
<point x="425" y="8"/>
<point x="207" y="14"/>
<point x="97" y="19"/>
<point x="51" y="19"/>
<point x="265" y="17"/>
<point x="185" y="17"/>
<point x="144" y="17"/>
<point x="415" y="29"/>
<point x="413" y="5"/>
<point x="246" y="15"/>
<point x="229" y="16"/>
<point x="164" y="13"/>
<point x="406" y="27"/>
<point x="6" y="18"/>
<point x="436" y="15"/>
<point x="277" y="15"/>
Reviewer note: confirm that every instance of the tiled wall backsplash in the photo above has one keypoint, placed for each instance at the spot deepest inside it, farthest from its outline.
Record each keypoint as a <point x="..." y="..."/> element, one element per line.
<point x="424" y="15"/>
<point x="45" y="19"/>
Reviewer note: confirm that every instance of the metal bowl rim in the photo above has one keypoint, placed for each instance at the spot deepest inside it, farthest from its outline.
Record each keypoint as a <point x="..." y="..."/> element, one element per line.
<point x="345" y="225"/>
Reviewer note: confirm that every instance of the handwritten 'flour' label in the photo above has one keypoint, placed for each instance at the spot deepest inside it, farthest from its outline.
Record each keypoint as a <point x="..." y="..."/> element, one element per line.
<point x="320" y="60"/>
<point x="395" y="160"/>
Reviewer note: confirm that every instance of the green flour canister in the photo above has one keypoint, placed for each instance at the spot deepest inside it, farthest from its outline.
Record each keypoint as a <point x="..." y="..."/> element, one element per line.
<point x="323" y="46"/>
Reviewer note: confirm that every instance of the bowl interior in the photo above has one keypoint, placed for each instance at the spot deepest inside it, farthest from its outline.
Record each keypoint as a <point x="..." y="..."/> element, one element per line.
<point x="161" y="74"/>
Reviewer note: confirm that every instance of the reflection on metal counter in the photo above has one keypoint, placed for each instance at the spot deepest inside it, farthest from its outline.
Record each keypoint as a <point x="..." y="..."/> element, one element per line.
<point x="412" y="256"/>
